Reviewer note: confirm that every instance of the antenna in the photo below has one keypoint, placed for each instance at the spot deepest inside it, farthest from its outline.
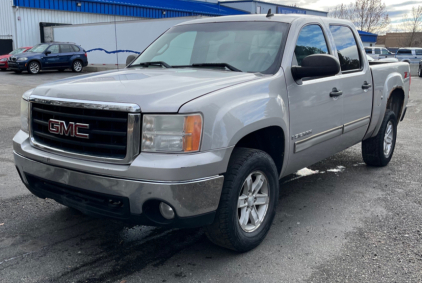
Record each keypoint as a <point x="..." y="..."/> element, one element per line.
<point x="269" y="13"/>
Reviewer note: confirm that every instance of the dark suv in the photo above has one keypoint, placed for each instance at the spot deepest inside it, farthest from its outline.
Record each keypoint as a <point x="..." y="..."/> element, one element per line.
<point x="47" y="56"/>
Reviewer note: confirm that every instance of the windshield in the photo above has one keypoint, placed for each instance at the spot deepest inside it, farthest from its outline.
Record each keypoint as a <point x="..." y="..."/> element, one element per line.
<point x="247" y="46"/>
<point x="17" y="51"/>
<point x="39" y="48"/>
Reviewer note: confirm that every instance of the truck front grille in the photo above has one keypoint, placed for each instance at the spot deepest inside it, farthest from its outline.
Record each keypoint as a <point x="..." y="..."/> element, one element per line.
<point x="107" y="130"/>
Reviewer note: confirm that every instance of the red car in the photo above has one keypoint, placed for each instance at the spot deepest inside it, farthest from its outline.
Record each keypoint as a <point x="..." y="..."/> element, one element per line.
<point x="3" y="58"/>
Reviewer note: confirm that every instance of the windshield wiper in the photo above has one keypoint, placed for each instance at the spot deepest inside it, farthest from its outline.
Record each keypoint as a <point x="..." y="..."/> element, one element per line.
<point x="221" y="65"/>
<point x="155" y="63"/>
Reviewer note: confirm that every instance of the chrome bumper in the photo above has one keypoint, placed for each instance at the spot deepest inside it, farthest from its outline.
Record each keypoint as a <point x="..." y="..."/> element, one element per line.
<point x="188" y="198"/>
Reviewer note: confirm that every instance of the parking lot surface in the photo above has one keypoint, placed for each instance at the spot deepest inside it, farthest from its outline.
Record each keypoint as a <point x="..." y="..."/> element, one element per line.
<point x="342" y="222"/>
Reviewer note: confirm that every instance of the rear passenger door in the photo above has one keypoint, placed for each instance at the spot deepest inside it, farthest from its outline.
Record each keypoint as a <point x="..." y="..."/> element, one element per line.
<point x="66" y="52"/>
<point x="355" y="81"/>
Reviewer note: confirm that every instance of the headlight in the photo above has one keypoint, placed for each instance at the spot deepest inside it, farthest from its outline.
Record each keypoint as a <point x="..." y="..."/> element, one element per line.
<point x="25" y="111"/>
<point x="22" y="59"/>
<point x="3" y="59"/>
<point x="24" y="115"/>
<point x="171" y="133"/>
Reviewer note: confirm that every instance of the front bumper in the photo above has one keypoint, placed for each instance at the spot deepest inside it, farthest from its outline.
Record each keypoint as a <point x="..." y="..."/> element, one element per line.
<point x="4" y="65"/>
<point x="17" y="66"/>
<point x="194" y="201"/>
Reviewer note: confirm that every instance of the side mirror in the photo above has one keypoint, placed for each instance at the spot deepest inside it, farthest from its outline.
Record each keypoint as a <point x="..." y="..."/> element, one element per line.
<point x="47" y="52"/>
<point x="316" y="65"/>
<point x="130" y="59"/>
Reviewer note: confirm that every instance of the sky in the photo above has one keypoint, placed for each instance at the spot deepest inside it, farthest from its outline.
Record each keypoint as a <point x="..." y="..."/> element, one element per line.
<point x="396" y="8"/>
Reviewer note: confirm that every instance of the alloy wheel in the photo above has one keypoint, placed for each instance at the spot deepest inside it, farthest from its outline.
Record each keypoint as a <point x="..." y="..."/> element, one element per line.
<point x="253" y="201"/>
<point x="388" y="139"/>
<point x="34" y="68"/>
<point x="77" y="66"/>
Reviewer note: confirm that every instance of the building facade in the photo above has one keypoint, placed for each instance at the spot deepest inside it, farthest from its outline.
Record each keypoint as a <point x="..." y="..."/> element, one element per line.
<point x="22" y="21"/>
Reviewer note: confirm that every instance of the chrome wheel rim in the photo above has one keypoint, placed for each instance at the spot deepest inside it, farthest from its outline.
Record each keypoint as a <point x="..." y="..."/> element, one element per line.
<point x="388" y="139"/>
<point x="34" y="68"/>
<point x="77" y="66"/>
<point x="253" y="201"/>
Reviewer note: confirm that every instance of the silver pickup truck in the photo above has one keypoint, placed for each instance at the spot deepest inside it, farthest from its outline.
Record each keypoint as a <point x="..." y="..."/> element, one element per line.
<point x="200" y="127"/>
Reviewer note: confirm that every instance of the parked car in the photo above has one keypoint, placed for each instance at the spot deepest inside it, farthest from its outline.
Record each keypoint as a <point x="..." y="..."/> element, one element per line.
<point x="200" y="127"/>
<point x="383" y="60"/>
<point x="382" y="52"/>
<point x="420" y="69"/>
<point x="411" y="55"/>
<point x="47" y="56"/>
<point x="3" y="58"/>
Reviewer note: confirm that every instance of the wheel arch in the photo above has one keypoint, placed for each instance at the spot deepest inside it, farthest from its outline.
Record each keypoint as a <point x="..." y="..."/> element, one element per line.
<point x="270" y="139"/>
<point x="32" y="60"/>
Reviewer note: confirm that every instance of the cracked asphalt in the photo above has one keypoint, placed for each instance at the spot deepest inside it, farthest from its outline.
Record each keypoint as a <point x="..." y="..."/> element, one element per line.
<point x="353" y="224"/>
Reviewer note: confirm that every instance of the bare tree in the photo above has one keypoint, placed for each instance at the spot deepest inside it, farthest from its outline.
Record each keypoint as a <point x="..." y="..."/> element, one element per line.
<point x="367" y="15"/>
<point x="412" y="27"/>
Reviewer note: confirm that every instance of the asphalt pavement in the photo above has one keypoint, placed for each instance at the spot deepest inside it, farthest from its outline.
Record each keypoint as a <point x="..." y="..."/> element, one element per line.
<point x="345" y="223"/>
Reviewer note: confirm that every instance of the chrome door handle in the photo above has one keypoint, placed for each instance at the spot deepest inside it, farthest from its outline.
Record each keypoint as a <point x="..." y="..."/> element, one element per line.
<point x="335" y="92"/>
<point x="366" y="85"/>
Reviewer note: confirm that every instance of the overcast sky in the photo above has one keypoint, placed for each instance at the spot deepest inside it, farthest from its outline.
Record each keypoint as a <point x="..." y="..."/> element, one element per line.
<point x="395" y="8"/>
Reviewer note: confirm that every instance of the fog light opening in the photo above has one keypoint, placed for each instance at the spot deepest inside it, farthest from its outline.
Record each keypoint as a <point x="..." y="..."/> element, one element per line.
<point x="166" y="211"/>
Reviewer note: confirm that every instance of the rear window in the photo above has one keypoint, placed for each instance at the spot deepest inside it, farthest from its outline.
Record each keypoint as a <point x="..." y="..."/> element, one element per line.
<point x="347" y="48"/>
<point x="75" y="48"/>
<point x="404" y="51"/>
<point x="65" y="48"/>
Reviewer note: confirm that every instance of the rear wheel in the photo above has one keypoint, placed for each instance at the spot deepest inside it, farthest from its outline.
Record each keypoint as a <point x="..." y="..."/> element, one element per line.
<point x="248" y="201"/>
<point x="77" y="66"/>
<point x="420" y="71"/>
<point x="378" y="151"/>
<point x="34" y="67"/>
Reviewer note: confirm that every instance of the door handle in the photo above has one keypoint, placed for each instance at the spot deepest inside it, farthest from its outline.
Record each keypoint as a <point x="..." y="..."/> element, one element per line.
<point x="366" y="85"/>
<point x="335" y="92"/>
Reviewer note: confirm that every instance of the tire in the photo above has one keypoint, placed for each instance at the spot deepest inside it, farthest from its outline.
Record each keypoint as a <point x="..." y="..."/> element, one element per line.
<point x="3" y="69"/>
<point x="226" y="231"/>
<point x="373" y="149"/>
<point x="420" y="71"/>
<point x="18" y="72"/>
<point x="77" y="66"/>
<point x="34" y="67"/>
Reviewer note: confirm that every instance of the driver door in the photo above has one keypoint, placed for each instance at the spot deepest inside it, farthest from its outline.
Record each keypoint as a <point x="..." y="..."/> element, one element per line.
<point x="52" y="60"/>
<point x="315" y="113"/>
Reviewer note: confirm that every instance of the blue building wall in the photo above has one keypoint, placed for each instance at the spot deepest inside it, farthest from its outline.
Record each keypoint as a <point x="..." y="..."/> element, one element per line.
<point x="134" y="8"/>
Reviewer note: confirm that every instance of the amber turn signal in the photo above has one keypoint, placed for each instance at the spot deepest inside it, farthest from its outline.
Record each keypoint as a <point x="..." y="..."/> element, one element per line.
<point x="192" y="131"/>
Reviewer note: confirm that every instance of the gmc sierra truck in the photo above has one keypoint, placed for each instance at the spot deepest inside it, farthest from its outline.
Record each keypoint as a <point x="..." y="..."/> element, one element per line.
<point x="199" y="128"/>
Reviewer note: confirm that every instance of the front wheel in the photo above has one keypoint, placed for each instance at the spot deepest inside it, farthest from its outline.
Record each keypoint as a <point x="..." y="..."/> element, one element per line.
<point x="77" y="66"/>
<point x="378" y="151"/>
<point x="248" y="201"/>
<point x="34" y="67"/>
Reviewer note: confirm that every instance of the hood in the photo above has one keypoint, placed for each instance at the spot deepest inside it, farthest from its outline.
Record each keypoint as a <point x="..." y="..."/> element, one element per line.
<point x="154" y="90"/>
<point x="27" y="54"/>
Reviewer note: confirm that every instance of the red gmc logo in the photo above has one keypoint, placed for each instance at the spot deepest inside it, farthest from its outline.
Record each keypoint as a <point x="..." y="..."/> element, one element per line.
<point x="59" y="128"/>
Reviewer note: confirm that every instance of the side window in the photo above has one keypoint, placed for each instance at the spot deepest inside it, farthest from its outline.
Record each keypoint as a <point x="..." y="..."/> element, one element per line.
<point x="311" y="40"/>
<point x="377" y="51"/>
<point x="347" y="48"/>
<point x="75" y="48"/>
<point x="54" y="49"/>
<point x="404" y="51"/>
<point x="368" y="50"/>
<point x="384" y="51"/>
<point x="65" y="48"/>
<point x="418" y="51"/>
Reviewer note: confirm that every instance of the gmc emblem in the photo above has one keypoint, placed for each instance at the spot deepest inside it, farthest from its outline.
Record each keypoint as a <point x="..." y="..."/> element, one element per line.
<point x="59" y="128"/>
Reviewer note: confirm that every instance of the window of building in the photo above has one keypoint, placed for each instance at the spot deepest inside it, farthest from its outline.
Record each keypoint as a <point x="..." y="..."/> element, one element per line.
<point x="347" y="48"/>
